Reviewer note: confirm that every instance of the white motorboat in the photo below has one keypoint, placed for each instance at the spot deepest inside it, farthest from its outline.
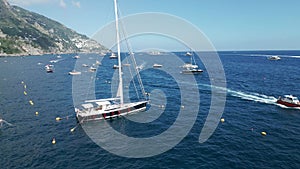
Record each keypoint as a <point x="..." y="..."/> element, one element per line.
<point x="76" y="57"/>
<point x="274" y="58"/>
<point x="93" y="69"/>
<point x="113" y="56"/>
<point x="157" y="65"/>
<point x="49" y="68"/>
<point x="116" y="67"/>
<point x="74" y="72"/>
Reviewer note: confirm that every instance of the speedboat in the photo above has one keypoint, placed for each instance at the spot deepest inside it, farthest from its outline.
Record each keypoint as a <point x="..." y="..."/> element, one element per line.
<point x="274" y="58"/>
<point x="288" y="101"/>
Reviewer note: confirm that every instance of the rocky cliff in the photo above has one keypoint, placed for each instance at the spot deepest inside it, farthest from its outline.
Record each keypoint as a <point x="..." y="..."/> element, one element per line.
<point x="27" y="33"/>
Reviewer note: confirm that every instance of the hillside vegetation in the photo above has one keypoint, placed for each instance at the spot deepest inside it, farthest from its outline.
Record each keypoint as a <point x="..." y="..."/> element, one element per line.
<point x="27" y="33"/>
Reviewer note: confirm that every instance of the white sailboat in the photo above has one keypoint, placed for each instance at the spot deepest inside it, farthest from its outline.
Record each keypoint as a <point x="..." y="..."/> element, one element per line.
<point x="191" y="68"/>
<point x="112" y="107"/>
<point x="191" y="65"/>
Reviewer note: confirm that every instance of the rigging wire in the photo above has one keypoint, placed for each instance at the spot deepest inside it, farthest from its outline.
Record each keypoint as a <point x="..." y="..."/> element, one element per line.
<point x="133" y="60"/>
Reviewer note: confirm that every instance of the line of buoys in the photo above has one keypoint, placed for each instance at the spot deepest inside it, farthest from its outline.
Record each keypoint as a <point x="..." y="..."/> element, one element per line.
<point x="25" y="93"/>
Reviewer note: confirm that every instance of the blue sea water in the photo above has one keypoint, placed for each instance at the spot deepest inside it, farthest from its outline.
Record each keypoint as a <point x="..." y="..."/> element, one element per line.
<point x="253" y="84"/>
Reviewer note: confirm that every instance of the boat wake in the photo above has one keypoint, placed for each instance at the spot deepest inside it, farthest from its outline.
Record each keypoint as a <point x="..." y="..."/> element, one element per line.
<point x="251" y="96"/>
<point x="261" y="98"/>
<point x="268" y="55"/>
<point x="295" y="57"/>
<point x="55" y="61"/>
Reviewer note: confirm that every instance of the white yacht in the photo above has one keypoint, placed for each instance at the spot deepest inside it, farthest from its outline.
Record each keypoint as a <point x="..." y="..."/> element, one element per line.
<point x="274" y="58"/>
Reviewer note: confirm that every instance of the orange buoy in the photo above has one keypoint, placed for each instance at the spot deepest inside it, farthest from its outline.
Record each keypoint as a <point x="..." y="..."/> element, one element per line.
<point x="222" y="120"/>
<point x="263" y="133"/>
<point x="58" y="118"/>
<point x="53" y="141"/>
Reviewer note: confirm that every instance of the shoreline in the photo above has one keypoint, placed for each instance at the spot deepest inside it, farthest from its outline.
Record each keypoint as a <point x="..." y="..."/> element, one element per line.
<point x="41" y="54"/>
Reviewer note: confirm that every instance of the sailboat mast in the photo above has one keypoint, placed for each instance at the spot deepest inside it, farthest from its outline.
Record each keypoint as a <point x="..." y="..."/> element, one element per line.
<point x="120" y="89"/>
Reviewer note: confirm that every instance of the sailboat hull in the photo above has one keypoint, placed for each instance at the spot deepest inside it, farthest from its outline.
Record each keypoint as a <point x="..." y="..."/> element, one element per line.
<point x="130" y="108"/>
<point x="192" y="71"/>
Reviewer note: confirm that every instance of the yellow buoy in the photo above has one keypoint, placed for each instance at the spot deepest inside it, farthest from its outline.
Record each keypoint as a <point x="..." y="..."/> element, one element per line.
<point x="25" y="93"/>
<point x="53" y="141"/>
<point x="31" y="102"/>
<point x="222" y="120"/>
<point x="25" y="86"/>
<point x="22" y="82"/>
<point x="263" y="133"/>
<point x="58" y="118"/>
<point x="36" y="113"/>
